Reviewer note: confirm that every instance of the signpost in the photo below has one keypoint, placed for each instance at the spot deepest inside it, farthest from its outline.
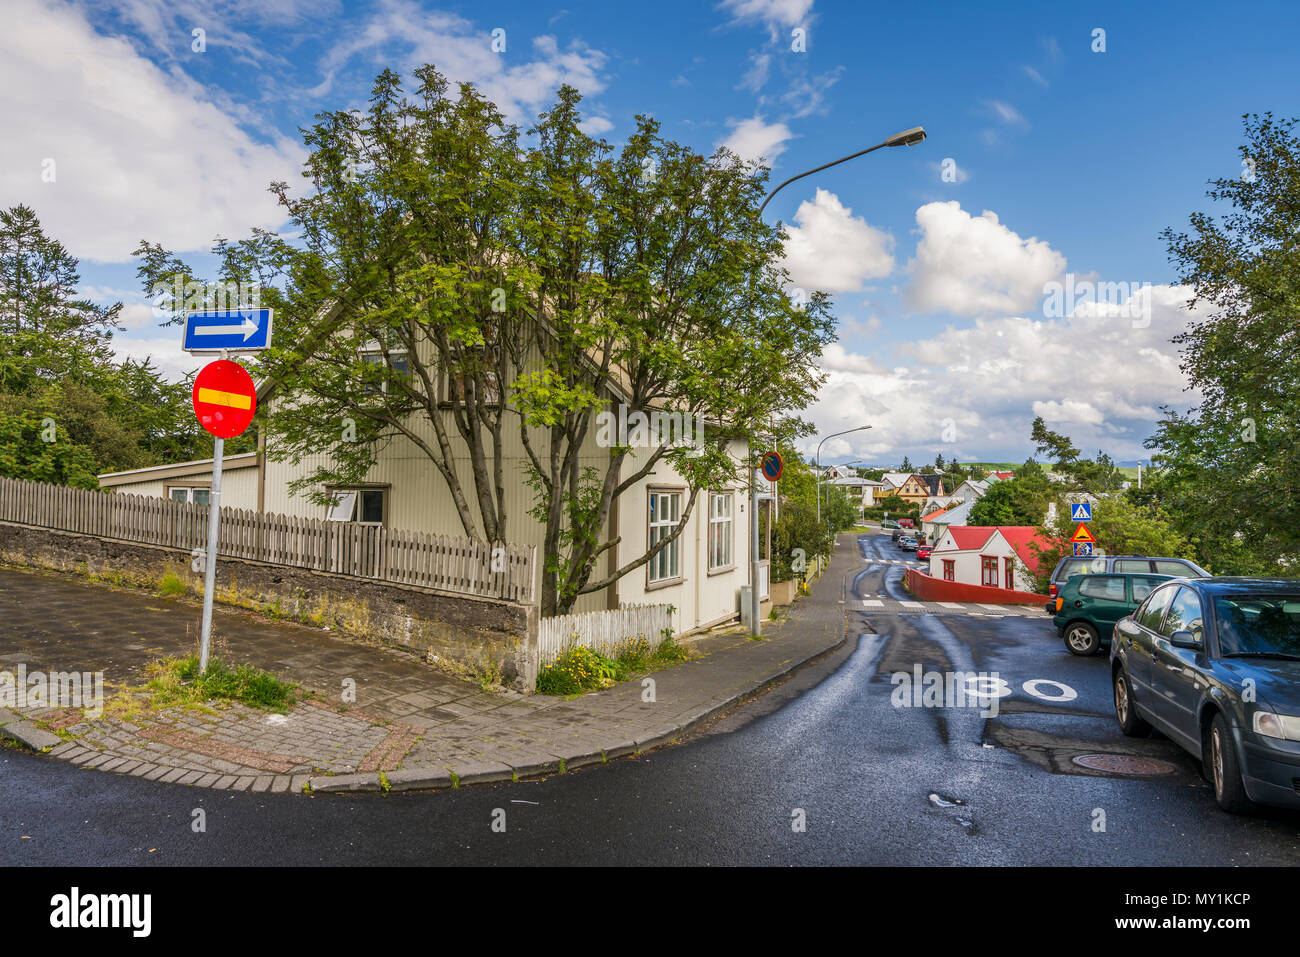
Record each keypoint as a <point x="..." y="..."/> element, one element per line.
<point x="230" y="330"/>
<point x="225" y="400"/>
<point x="773" y="466"/>
<point x="1082" y="541"/>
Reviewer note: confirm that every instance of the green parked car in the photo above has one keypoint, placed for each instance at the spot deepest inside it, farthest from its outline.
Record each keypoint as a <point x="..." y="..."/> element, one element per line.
<point x="1087" y="607"/>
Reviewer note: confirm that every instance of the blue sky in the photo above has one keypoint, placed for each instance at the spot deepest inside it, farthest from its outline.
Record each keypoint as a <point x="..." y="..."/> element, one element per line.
<point x="1063" y="161"/>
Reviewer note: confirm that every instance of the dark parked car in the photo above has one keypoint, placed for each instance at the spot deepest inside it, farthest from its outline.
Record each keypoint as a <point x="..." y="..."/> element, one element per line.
<point x="1068" y="567"/>
<point x="1088" y="606"/>
<point x="897" y="534"/>
<point x="889" y="523"/>
<point x="1214" y="663"/>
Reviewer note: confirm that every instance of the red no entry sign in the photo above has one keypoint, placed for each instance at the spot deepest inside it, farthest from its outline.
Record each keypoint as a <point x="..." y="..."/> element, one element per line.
<point x="224" y="398"/>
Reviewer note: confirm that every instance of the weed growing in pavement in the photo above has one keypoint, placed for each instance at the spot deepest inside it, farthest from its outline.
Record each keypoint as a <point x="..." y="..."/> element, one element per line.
<point x="177" y="681"/>
<point x="383" y="782"/>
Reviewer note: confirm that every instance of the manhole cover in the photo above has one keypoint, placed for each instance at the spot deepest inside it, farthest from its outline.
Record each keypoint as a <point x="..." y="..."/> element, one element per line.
<point x="1123" y="764"/>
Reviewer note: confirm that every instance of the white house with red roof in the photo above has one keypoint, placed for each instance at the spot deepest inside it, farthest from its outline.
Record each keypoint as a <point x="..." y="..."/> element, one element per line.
<point x="998" y="556"/>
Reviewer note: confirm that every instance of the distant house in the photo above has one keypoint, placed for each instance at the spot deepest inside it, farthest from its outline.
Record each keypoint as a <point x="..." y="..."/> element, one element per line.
<point x="933" y="524"/>
<point x="911" y="486"/>
<point x="936" y="502"/>
<point x="971" y="490"/>
<point x="997" y="556"/>
<point x="860" y="491"/>
<point x="1002" y="476"/>
<point x="837" y="471"/>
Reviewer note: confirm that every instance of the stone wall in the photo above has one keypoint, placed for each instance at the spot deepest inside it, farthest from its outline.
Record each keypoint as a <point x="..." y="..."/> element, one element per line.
<point x="479" y="636"/>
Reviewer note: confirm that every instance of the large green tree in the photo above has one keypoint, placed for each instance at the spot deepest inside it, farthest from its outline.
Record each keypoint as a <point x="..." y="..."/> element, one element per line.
<point x="455" y="282"/>
<point x="1229" y="468"/>
<point x="68" y="408"/>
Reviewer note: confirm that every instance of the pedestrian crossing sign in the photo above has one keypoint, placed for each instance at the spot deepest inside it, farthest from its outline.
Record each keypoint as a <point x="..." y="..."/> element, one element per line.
<point x="1081" y="512"/>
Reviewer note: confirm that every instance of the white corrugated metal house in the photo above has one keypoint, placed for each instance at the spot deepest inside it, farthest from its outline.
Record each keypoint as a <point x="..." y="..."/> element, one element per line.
<point x="700" y="574"/>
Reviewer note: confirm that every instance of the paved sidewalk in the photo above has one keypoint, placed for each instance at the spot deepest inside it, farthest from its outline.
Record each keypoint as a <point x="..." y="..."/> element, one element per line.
<point x="410" y="726"/>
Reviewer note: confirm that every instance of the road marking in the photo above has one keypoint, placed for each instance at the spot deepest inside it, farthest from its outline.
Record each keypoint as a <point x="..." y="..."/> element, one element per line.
<point x="912" y="604"/>
<point x="951" y="604"/>
<point x="873" y="602"/>
<point x="991" y="607"/>
<point x="1066" y="692"/>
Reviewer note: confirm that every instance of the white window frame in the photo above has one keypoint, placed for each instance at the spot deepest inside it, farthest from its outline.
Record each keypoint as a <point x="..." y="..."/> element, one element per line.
<point x="189" y="491"/>
<point x="722" y="530"/>
<point x="373" y="351"/>
<point x="347" y="503"/>
<point x="665" y="567"/>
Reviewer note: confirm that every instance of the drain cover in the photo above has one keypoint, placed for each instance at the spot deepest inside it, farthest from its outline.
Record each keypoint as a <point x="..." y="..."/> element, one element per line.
<point x="1124" y="764"/>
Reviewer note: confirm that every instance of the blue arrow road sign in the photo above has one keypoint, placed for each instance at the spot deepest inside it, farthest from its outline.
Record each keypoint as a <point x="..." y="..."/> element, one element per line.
<point x="233" y="330"/>
<point x="1081" y="512"/>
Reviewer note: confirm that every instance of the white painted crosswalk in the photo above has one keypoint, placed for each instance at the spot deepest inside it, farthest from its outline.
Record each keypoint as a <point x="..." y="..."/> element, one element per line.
<point x="981" y="609"/>
<point x="873" y="603"/>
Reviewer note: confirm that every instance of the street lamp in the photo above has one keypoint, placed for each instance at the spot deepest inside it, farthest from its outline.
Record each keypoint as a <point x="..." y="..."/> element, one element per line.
<point x="906" y="138"/>
<point x="861" y="428"/>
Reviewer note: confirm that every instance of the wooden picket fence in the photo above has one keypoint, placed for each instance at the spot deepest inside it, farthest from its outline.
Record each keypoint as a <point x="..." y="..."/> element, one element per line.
<point x="358" y="550"/>
<point x="602" y="631"/>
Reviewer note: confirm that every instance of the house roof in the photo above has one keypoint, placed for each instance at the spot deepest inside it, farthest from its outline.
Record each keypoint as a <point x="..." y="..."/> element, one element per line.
<point x="933" y="482"/>
<point x="955" y="513"/>
<point x="935" y="514"/>
<point x="154" y="473"/>
<point x="974" y="537"/>
<point x="896" y="479"/>
<point x="1004" y="476"/>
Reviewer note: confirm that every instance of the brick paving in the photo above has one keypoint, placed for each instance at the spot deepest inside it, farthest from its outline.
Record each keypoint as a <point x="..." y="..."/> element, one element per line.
<point x="414" y="724"/>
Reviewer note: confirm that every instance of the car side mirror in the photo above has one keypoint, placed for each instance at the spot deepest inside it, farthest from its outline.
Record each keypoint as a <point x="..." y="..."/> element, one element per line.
<point x="1128" y="628"/>
<point x="1183" y="638"/>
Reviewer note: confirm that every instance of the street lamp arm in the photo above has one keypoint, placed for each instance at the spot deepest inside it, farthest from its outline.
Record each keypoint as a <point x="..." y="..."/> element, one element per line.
<point x="842" y="159"/>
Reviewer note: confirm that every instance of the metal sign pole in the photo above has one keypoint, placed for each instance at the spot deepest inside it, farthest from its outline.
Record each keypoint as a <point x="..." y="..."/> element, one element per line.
<point x="755" y="626"/>
<point x="210" y="563"/>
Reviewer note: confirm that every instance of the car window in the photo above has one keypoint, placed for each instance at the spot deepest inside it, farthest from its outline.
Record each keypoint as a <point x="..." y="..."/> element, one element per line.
<point x="1176" y="568"/>
<point x="1078" y="566"/>
<point x="1258" y="625"/>
<point x="1144" y="586"/>
<point x="1149" y="615"/>
<point x="1184" y="614"/>
<point x="1107" y="587"/>
<point x="1130" y="565"/>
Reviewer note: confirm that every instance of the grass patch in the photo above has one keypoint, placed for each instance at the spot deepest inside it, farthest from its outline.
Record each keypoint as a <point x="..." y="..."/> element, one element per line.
<point x="579" y="669"/>
<point x="171" y="584"/>
<point x="177" y="681"/>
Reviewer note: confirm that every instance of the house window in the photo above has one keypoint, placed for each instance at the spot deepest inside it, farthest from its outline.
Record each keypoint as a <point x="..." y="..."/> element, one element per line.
<point x="989" y="570"/>
<point x="665" y="514"/>
<point x="491" y="386"/>
<point x="1010" y="575"/>
<point x="373" y="354"/>
<point x="366" y="505"/>
<point x="720" y="530"/>
<point x="191" y="494"/>
<point x="949" y="569"/>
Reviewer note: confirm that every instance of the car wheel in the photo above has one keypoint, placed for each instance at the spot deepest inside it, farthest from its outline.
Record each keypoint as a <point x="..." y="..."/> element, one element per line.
<point x="1082" y="639"/>
<point x="1225" y="771"/>
<point x="1125" y="713"/>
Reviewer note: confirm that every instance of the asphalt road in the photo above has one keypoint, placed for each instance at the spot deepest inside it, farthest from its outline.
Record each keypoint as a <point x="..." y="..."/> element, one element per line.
<point x="873" y="782"/>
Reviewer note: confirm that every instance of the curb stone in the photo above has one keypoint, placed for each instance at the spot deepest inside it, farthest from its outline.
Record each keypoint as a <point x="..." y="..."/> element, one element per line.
<point x="30" y="736"/>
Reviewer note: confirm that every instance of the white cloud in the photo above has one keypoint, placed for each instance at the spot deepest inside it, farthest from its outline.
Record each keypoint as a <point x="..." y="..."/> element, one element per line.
<point x="165" y="352"/>
<point x="1035" y="76"/>
<point x="973" y="265"/>
<point x="991" y="377"/>
<point x="1005" y="112"/>
<point x="138" y="153"/>
<point x="756" y="77"/>
<point x="462" y="51"/>
<point x="832" y="250"/>
<point x="773" y="14"/>
<point x="756" y="140"/>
